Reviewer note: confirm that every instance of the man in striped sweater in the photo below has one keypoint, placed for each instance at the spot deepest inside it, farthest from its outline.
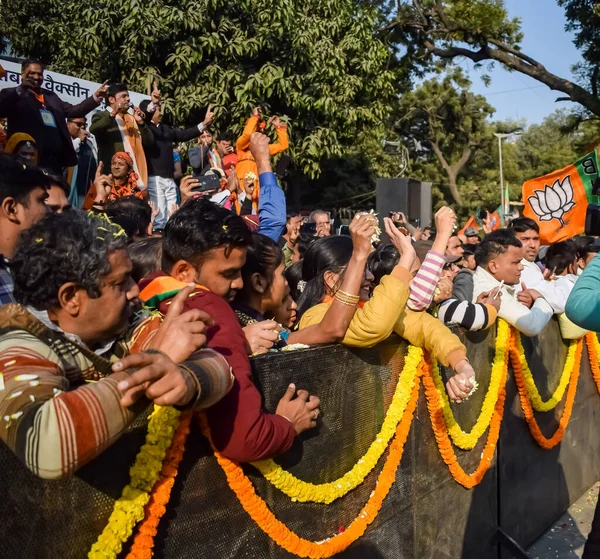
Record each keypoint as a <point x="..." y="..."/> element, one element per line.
<point x="72" y="378"/>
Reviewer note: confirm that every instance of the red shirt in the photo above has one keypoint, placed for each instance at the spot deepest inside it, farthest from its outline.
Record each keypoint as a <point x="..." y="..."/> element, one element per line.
<point x="241" y="430"/>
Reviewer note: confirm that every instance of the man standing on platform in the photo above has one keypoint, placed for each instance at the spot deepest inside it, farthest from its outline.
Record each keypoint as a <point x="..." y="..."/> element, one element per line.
<point x="159" y="156"/>
<point x="87" y="160"/>
<point x="39" y="112"/>
<point x="116" y="130"/>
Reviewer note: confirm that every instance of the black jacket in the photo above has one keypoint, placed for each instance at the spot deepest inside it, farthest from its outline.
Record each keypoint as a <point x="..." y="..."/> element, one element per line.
<point x="159" y="155"/>
<point x="22" y="109"/>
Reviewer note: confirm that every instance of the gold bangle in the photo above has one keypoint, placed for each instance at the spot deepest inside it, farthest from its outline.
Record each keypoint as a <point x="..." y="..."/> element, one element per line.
<point x="350" y="300"/>
<point x="339" y="300"/>
<point x="348" y="296"/>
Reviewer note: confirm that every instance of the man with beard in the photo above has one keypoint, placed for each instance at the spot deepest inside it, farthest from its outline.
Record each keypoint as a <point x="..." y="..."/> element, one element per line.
<point x="206" y="244"/>
<point x="72" y="380"/>
<point x="33" y="110"/>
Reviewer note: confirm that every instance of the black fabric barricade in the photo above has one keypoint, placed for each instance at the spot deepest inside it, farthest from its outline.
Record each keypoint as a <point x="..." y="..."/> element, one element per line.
<point x="426" y="514"/>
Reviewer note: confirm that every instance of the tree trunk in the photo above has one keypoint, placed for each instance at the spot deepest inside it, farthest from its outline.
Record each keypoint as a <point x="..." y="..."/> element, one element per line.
<point x="453" y="169"/>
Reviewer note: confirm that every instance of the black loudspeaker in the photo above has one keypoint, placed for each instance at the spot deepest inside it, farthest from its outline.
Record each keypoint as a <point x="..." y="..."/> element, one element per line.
<point x="409" y="196"/>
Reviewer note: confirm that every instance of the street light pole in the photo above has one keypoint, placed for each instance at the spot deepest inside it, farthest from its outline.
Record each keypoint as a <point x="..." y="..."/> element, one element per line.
<point x="503" y="202"/>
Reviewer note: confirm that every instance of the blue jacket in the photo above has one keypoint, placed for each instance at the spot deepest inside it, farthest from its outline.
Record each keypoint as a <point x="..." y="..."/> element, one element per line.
<point x="583" y="306"/>
<point x="271" y="207"/>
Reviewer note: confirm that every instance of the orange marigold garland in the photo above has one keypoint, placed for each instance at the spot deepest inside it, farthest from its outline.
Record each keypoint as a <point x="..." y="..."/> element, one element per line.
<point x="291" y="542"/>
<point x="442" y="437"/>
<point x="143" y="542"/>
<point x="539" y="437"/>
<point x="591" y="340"/>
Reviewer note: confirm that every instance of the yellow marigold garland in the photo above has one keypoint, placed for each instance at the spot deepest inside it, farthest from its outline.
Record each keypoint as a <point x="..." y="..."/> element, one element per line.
<point x="129" y="508"/>
<point x="532" y="392"/>
<point x="534" y="428"/>
<point x="440" y="429"/>
<point x="142" y="546"/>
<point x="463" y="440"/>
<point x="291" y="542"/>
<point x="304" y="492"/>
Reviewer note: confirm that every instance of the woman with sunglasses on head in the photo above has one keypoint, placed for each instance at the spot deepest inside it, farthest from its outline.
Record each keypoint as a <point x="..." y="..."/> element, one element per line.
<point x="385" y="312"/>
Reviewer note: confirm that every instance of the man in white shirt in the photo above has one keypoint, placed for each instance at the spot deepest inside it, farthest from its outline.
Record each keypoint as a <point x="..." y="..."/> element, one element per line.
<point x="499" y="266"/>
<point x="528" y="232"/>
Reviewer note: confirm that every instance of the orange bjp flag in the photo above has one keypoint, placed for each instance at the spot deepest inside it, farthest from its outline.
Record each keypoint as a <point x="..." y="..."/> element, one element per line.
<point x="558" y="201"/>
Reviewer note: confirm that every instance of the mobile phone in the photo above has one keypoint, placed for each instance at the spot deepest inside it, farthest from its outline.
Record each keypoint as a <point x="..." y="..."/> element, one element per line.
<point x="309" y="229"/>
<point x="207" y="183"/>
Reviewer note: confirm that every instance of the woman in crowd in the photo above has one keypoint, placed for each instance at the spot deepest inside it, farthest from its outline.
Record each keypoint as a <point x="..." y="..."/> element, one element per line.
<point x="385" y="312"/>
<point x="264" y="306"/>
<point x="23" y="147"/>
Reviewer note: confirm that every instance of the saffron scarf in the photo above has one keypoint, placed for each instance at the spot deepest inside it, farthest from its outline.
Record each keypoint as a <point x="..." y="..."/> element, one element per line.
<point x="132" y="144"/>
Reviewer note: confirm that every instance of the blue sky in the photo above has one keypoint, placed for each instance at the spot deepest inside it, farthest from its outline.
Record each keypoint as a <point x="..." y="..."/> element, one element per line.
<point x="515" y="95"/>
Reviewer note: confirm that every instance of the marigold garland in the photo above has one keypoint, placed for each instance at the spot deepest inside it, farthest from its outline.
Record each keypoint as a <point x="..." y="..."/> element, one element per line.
<point x="593" y="345"/>
<point x="143" y="542"/>
<point x="463" y="440"/>
<point x="291" y="542"/>
<point x="302" y="491"/>
<point x="532" y="392"/>
<point x="526" y="406"/>
<point x="441" y="432"/>
<point x="129" y="508"/>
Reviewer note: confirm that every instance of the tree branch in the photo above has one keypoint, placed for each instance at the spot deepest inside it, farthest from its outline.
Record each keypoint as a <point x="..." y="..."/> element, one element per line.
<point x="575" y="92"/>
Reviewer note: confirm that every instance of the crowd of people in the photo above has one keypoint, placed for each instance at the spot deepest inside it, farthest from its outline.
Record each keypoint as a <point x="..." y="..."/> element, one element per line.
<point x="102" y="229"/>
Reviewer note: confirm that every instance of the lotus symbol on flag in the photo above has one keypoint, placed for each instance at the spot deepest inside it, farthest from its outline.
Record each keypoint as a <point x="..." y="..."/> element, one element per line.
<point x="554" y="201"/>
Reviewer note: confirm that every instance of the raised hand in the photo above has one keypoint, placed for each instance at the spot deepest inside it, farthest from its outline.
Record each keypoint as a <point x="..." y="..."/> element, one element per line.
<point x="362" y="229"/>
<point x="102" y="90"/>
<point x="173" y="209"/>
<point x="233" y="184"/>
<point x="301" y="411"/>
<point x="103" y="184"/>
<point x="188" y="183"/>
<point x="445" y="220"/>
<point x="259" y="147"/>
<point x="155" y="210"/>
<point x="402" y="242"/>
<point x="276" y="121"/>
<point x="256" y="112"/>
<point x="210" y="115"/>
<point x="156" y="95"/>
<point x="182" y="333"/>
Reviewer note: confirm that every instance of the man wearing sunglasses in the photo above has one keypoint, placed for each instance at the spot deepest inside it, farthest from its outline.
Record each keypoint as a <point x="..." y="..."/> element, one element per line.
<point x="87" y="159"/>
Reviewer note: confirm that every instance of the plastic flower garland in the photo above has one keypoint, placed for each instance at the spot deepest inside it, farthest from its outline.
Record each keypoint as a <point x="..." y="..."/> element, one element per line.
<point x="129" y="508"/>
<point x="440" y="430"/>
<point x="302" y="491"/>
<point x="143" y="542"/>
<point x="593" y="346"/>
<point x="539" y="437"/>
<point x="291" y="542"/>
<point x="532" y="392"/>
<point x="463" y="440"/>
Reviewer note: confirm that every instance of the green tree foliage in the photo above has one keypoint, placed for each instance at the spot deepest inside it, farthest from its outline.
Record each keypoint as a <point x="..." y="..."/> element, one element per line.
<point x="316" y="62"/>
<point x="482" y="31"/>
<point x="445" y="118"/>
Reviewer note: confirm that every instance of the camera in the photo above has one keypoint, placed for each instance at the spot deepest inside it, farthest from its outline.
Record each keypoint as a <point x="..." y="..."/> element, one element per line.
<point x="592" y="220"/>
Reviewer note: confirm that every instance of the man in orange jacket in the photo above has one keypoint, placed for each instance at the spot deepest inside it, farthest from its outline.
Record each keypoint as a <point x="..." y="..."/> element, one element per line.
<point x="246" y="164"/>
